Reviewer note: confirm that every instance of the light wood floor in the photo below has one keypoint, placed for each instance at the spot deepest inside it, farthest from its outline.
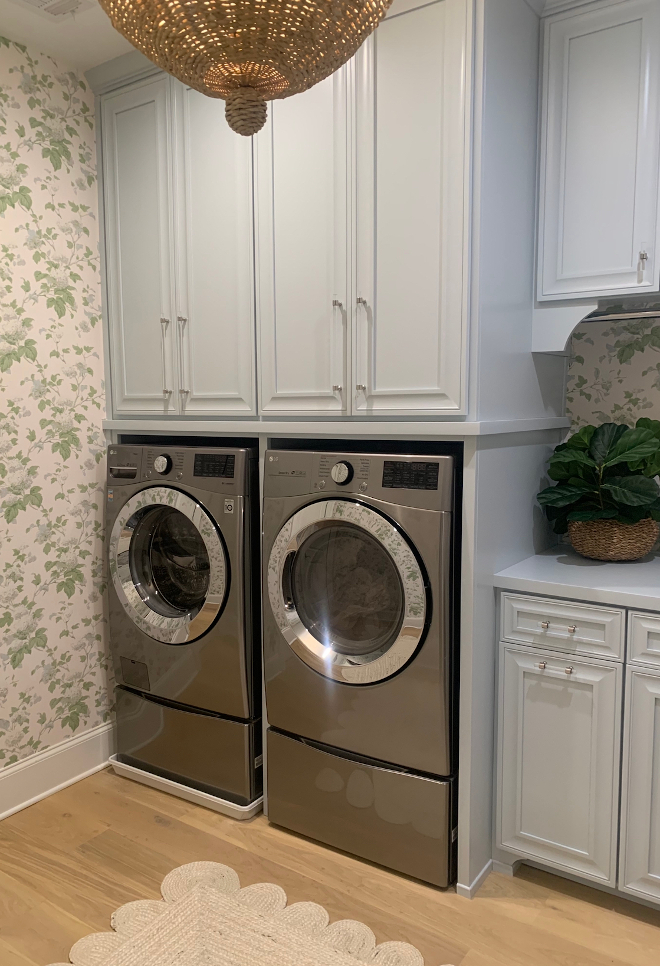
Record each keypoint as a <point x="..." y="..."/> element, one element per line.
<point x="69" y="861"/>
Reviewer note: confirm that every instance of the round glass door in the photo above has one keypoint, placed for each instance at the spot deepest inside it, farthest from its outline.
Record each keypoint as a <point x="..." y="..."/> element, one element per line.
<point x="168" y="565"/>
<point x="347" y="591"/>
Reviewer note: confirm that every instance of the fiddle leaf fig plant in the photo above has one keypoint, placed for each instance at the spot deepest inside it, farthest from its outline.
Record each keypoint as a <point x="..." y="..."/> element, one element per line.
<point x="605" y="473"/>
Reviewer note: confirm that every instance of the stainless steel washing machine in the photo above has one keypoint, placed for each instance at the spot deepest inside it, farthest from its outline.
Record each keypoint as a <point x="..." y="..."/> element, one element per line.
<point x="182" y="538"/>
<point x="358" y="654"/>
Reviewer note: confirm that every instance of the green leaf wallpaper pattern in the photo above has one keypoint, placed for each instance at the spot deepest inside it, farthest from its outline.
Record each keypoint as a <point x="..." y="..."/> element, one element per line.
<point x="614" y="372"/>
<point x="53" y="660"/>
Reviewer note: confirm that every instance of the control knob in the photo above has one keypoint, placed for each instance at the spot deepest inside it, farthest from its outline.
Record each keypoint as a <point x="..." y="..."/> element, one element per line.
<point x="342" y="473"/>
<point x="163" y="464"/>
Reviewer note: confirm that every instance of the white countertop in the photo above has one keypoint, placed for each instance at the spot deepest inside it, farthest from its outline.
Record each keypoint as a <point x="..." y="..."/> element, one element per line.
<point x="560" y="572"/>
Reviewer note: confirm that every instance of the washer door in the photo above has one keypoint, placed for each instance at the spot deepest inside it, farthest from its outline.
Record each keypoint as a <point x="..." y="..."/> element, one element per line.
<point x="347" y="591"/>
<point x="168" y="565"/>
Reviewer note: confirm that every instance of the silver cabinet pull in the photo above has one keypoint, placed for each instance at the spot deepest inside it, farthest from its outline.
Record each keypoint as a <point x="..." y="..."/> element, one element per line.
<point x="182" y="322"/>
<point x="360" y="388"/>
<point x="337" y="304"/>
<point x="569" y="670"/>
<point x="163" y="333"/>
<point x="542" y="666"/>
<point x="643" y="257"/>
<point x="336" y="388"/>
<point x="572" y="629"/>
<point x="360" y="301"/>
<point x="545" y="625"/>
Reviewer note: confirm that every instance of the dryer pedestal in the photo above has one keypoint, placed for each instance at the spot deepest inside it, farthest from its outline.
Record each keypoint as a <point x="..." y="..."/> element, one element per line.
<point x="396" y="818"/>
<point x="215" y="756"/>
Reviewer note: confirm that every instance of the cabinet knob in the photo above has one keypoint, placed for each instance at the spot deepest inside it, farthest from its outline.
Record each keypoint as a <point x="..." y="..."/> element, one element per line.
<point x="572" y="629"/>
<point x="569" y="670"/>
<point x="360" y="388"/>
<point x="545" y="625"/>
<point x="542" y="666"/>
<point x="337" y="304"/>
<point x="336" y="388"/>
<point x="643" y="257"/>
<point x="360" y="301"/>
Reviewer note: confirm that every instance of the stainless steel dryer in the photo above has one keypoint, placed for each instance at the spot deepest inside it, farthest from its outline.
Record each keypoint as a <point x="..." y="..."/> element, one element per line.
<point x="357" y="649"/>
<point x="182" y="540"/>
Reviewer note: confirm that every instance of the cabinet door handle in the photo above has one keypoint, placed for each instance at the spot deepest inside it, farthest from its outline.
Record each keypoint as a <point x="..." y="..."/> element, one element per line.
<point x="182" y="322"/>
<point x="360" y="301"/>
<point x="336" y="388"/>
<point x="542" y="666"/>
<point x="643" y="257"/>
<point x="545" y="625"/>
<point x="360" y="388"/>
<point x="337" y="304"/>
<point x="569" y="670"/>
<point x="572" y="629"/>
<point x="163" y="332"/>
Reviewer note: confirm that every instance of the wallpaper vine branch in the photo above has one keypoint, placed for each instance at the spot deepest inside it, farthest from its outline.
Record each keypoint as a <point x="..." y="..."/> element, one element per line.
<point x="53" y="659"/>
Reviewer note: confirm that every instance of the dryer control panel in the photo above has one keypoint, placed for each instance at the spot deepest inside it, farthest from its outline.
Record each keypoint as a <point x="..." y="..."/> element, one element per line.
<point x="220" y="470"/>
<point x="425" y="482"/>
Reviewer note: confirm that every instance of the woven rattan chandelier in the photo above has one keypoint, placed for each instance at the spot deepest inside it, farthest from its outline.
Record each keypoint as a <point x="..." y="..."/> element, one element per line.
<point x="247" y="51"/>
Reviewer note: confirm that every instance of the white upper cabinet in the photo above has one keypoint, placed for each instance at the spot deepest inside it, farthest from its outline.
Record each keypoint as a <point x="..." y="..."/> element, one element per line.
<point x="598" y="218"/>
<point x="215" y="319"/>
<point x="302" y="250"/>
<point x="409" y="330"/>
<point x="140" y="275"/>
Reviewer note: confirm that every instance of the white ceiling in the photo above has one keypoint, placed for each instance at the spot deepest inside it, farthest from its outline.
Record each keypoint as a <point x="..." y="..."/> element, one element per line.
<point x="83" y="40"/>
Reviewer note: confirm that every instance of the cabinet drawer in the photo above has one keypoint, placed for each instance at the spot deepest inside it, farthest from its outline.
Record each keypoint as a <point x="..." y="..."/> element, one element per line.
<point x="644" y="637"/>
<point x="563" y="625"/>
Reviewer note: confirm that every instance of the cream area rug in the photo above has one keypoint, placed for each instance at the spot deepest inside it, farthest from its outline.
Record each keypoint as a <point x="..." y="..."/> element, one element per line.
<point x="206" y="919"/>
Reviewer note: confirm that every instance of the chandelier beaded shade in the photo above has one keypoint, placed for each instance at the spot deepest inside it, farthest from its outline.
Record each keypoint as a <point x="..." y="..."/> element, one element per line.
<point x="247" y="51"/>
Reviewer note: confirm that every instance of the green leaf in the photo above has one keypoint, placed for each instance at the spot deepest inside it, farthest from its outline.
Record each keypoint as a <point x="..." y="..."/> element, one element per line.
<point x="582" y="438"/>
<point x="604" y="439"/>
<point x="572" y="455"/>
<point x="633" y="446"/>
<point x="560" y="495"/>
<point x="595" y="514"/>
<point x="633" y="490"/>
<point x="653" y="425"/>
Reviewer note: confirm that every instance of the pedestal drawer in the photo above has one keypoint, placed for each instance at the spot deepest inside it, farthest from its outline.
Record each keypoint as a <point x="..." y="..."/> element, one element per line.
<point x="564" y="626"/>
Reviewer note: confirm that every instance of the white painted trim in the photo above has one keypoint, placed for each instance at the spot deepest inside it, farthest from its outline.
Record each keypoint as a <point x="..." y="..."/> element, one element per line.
<point x="470" y="891"/>
<point x="49" y="771"/>
<point x="431" y="429"/>
<point x="240" y="812"/>
<point x="507" y="868"/>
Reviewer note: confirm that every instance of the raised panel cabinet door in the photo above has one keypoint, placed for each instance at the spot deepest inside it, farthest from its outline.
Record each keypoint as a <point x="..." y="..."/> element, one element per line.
<point x="137" y="178"/>
<point x="558" y="760"/>
<point x="600" y="129"/>
<point x="411" y="162"/>
<point x="302" y="250"/>
<point x="215" y="295"/>
<point x="639" y="867"/>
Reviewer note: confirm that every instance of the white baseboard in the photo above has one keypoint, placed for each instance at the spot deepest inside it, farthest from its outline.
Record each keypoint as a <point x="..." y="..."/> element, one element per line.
<point x="470" y="891"/>
<point x="47" y="772"/>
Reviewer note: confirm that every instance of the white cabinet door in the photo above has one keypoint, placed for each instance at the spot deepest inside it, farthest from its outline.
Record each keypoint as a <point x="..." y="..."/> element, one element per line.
<point x="639" y="870"/>
<point x="215" y="318"/>
<point x="140" y="276"/>
<point x="599" y="151"/>
<point x="302" y="251"/>
<point x="410" y="321"/>
<point x="558" y="760"/>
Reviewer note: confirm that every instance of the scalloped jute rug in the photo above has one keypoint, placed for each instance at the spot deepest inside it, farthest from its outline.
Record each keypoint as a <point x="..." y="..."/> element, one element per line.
<point x="206" y="919"/>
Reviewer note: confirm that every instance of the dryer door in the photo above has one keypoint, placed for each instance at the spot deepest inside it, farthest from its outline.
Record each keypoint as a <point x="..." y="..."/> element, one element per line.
<point x="347" y="591"/>
<point x="168" y="565"/>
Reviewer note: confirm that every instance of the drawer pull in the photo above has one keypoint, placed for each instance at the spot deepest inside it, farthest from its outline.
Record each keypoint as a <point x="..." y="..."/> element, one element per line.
<point x="569" y="670"/>
<point x="545" y="625"/>
<point x="542" y="666"/>
<point x="572" y="629"/>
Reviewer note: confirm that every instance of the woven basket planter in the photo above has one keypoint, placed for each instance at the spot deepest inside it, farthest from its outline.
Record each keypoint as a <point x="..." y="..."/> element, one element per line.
<point x="611" y="540"/>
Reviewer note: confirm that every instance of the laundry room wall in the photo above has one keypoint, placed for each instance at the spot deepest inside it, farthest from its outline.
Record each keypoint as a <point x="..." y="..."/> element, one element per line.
<point x="614" y="372"/>
<point x="54" y="666"/>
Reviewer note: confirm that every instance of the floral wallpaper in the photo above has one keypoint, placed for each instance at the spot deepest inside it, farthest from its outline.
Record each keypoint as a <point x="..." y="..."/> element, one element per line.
<point x="53" y="663"/>
<point x="614" y="372"/>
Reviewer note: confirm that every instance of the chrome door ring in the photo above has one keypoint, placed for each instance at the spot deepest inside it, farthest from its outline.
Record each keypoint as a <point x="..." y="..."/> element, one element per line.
<point x="351" y="669"/>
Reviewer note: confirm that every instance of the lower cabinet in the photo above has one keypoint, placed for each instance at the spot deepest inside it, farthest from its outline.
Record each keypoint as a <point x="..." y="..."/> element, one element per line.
<point x="558" y="760"/>
<point x="639" y="866"/>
